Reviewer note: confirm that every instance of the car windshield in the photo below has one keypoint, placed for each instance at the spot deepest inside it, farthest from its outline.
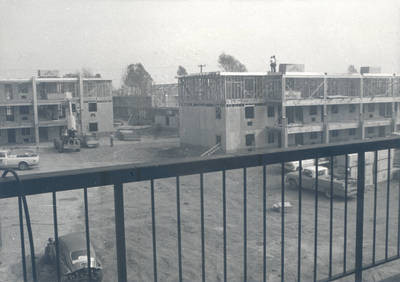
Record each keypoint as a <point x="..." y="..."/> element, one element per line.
<point x="76" y="254"/>
<point x="307" y="173"/>
<point x="321" y="172"/>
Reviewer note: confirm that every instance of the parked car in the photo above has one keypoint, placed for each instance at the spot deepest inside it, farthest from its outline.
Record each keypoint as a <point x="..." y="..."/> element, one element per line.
<point x="294" y="165"/>
<point x="73" y="258"/>
<point x="21" y="159"/>
<point x="127" y="133"/>
<point x="308" y="176"/>
<point x="118" y="122"/>
<point x="90" y="141"/>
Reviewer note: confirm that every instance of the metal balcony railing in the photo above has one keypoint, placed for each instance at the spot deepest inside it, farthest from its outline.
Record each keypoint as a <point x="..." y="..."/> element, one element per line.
<point x="54" y="182"/>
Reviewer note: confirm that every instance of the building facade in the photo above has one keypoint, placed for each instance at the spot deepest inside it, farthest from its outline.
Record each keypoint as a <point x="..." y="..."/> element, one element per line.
<point x="34" y="110"/>
<point x="165" y="95"/>
<point x="165" y="100"/>
<point x="260" y="110"/>
<point x="137" y="110"/>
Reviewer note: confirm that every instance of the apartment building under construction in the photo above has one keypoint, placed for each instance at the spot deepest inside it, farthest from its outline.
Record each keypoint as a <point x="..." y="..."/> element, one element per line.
<point x="266" y="110"/>
<point x="34" y="110"/>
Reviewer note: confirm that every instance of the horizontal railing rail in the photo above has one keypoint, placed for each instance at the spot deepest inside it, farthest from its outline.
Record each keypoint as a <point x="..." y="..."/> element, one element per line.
<point x="117" y="175"/>
<point x="101" y="176"/>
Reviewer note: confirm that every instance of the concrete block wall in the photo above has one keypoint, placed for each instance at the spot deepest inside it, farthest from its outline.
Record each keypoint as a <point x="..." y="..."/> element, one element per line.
<point x="308" y="118"/>
<point x="103" y="116"/>
<point x="272" y="120"/>
<point x="237" y="127"/>
<point x="199" y="126"/>
<point x="343" y="113"/>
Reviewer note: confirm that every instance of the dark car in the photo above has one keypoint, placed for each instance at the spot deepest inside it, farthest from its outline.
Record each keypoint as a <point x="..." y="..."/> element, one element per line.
<point x="127" y="133"/>
<point x="73" y="258"/>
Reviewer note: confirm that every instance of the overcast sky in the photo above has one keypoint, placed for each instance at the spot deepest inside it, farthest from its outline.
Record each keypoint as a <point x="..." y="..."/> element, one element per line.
<point x="106" y="35"/>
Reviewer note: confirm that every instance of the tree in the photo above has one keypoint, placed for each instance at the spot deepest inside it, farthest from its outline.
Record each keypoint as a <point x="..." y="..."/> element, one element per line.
<point x="138" y="79"/>
<point x="230" y="63"/>
<point x="87" y="73"/>
<point x="181" y="71"/>
<point x="84" y="72"/>
<point x="352" y="69"/>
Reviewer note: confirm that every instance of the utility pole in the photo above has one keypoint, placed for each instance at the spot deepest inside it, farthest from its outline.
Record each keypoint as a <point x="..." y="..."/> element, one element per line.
<point x="201" y="68"/>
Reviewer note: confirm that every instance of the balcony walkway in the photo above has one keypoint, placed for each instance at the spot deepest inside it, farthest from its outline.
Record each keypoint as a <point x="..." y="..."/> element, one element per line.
<point x="208" y="219"/>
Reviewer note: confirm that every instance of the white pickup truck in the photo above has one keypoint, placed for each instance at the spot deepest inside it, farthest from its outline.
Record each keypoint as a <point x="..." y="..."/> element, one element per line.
<point x="21" y="159"/>
<point x="308" y="176"/>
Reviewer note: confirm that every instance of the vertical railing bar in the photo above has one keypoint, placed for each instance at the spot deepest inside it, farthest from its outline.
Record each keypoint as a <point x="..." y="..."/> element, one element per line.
<point x="265" y="223"/>
<point x="283" y="222"/>
<point x="330" y="217"/>
<point x="245" y="224"/>
<point x="21" y="229"/>
<point x="387" y="207"/>
<point x="178" y="216"/>
<point x="316" y="220"/>
<point x="203" y="262"/>
<point x="224" y="220"/>
<point x="120" y="231"/>
<point x="375" y="204"/>
<point x="153" y="227"/>
<point x="346" y="167"/>
<point x="56" y="236"/>
<point x="360" y="216"/>
<point x="299" y="224"/>
<point x="87" y="231"/>
<point x="398" y="221"/>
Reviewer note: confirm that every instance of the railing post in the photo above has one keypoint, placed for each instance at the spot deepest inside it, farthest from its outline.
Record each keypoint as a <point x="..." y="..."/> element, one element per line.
<point x="360" y="215"/>
<point x="120" y="231"/>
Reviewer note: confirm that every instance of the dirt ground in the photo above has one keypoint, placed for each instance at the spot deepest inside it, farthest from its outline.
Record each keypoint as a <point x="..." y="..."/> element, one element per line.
<point x="139" y="232"/>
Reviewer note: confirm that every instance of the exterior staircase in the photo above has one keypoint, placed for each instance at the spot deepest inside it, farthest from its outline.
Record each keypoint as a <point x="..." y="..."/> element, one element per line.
<point x="212" y="150"/>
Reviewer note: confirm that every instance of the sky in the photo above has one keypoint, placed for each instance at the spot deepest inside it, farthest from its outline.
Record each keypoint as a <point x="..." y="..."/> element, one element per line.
<point x="107" y="35"/>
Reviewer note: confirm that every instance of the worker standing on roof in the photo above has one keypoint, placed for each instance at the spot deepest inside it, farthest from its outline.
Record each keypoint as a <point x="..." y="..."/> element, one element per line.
<point x="273" y="63"/>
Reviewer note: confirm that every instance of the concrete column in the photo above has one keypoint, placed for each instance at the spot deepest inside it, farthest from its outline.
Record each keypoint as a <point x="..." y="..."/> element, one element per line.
<point x="80" y="81"/>
<point x="35" y="111"/>
<point x="325" y="137"/>
<point x="394" y="113"/>
<point x="361" y="114"/>
<point x="284" y="131"/>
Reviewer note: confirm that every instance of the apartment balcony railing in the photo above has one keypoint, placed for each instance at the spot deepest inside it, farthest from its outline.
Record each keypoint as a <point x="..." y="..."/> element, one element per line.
<point x="27" y="101"/>
<point x="292" y="241"/>
<point x="16" y="124"/>
<point x="301" y="127"/>
<point x="52" y="122"/>
<point x="379" y="121"/>
<point x="345" y="124"/>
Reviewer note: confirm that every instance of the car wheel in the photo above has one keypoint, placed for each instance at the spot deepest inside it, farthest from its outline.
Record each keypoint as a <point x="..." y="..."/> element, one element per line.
<point x="292" y="184"/>
<point x="23" y="166"/>
<point x="328" y="193"/>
